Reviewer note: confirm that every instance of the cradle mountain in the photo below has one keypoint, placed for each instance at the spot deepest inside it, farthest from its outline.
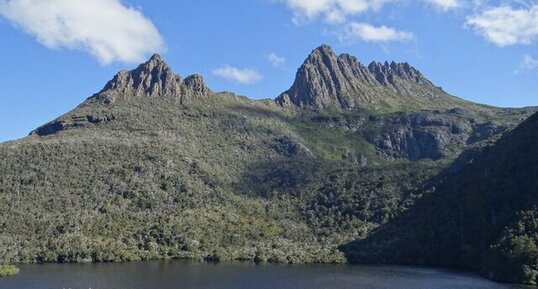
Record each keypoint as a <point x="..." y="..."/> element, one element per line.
<point x="157" y="166"/>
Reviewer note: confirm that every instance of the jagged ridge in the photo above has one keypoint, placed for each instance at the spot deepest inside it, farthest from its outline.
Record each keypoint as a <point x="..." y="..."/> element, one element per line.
<point x="327" y="80"/>
<point x="153" y="78"/>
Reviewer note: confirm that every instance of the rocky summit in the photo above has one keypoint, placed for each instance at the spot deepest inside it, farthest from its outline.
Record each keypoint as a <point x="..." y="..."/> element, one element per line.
<point x="328" y="81"/>
<point x="157" y="166"/>
<point x="153" y="79"/>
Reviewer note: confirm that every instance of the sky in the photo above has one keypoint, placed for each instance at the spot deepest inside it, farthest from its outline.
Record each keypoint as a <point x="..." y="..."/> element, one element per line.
<point x="56" y="53"/>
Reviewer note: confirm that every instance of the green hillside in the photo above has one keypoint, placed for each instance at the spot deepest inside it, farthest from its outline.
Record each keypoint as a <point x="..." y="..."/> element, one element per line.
<point x="482" y="216"/>
<point x="156" y="166"/>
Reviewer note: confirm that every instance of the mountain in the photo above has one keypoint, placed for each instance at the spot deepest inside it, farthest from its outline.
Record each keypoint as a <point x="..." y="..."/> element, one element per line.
<point x="414" y="120"/>
<point x="481" y="216"/>
<point x="159" y="166"/>
<point x="153" y="79"/>
<point x="340" y="82"/>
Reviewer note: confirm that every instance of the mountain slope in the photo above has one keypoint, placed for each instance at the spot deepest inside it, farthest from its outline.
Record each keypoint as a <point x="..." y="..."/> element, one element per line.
<point x="340" y="82"/>
<point x="482" y="215"/>
<point x="159" y="166"/>
<point x="151" y="80"/>
<point x="133" y="173"/>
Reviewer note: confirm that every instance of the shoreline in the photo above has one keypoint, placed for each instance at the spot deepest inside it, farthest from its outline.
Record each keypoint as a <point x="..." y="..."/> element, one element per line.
<point x="8" y="270"/>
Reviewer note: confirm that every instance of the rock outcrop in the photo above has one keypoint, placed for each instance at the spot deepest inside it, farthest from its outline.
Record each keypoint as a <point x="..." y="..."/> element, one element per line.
<point x="153" y="78"/>
<point x="428" y="134"/>
<point x="328" y="81"/>
<point x="73" y="121"/>
<point x="196" y="87"/>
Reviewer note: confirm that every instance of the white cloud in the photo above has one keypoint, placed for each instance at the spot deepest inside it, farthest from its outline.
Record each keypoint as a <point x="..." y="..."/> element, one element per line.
<point x="338" y="11"/>
<point x="506" y="25"/>
<point x="107" y="29"/>
<point x="445" y="5"/>
<point x="529" y="63"/>
<point x="241" y="76"/>
<point x="342" y="15"/>
<point x="379" y="34"/>
<point x="333" y="11"/>
<point x="276" y="60"/>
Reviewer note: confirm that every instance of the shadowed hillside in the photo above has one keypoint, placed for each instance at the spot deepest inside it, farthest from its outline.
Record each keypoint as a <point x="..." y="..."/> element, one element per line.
<point x="480" y="216"/>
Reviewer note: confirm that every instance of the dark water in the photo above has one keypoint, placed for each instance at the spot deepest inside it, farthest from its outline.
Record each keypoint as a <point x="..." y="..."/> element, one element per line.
<point x="186" y="275"/>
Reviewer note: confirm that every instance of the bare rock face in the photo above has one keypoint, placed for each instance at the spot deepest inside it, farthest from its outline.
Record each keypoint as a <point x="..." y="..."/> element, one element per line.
<point x="195" y="85"/>
<point x="289" y="146"/>
<point x="327" y="80"/>
<point x="403" y="79"/>
<point x="71" y="122"/>
<point x="153" y="79"/>
<point x="427" y="134"/>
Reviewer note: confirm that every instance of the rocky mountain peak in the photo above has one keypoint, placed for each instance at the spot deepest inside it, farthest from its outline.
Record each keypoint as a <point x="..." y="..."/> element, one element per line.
<point x="156" y="59"/>
<point x="153" y="78"/>
<point x="196" y="84"/>
<point x="324" y="48"/>
<point x="155" y="62"/>
<point x="385" y="73"/>
<point x="320" y="55"/>
<point x="327" y="80"/>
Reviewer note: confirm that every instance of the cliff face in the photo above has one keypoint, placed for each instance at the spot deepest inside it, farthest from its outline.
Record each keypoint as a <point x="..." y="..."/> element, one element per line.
<point x="152" y="79"/>
<point x="328" y="81"/>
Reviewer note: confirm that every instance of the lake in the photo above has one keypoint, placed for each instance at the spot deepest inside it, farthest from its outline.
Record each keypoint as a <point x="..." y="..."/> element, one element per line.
<point x="237" y="275"/>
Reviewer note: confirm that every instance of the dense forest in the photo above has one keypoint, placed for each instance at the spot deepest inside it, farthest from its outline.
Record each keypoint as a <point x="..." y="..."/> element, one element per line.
<point x="482" y="216"/>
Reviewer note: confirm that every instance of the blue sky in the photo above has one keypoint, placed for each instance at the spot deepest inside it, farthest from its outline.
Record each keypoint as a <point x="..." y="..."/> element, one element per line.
<point x="56" y="53"/>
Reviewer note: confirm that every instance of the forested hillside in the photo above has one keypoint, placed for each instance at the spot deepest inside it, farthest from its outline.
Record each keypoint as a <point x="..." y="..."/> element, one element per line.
<point x="481" y="216"/>
<point x="159" y="166"/>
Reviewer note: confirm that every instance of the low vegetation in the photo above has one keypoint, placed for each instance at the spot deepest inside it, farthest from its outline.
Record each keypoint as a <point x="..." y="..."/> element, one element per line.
<point x="8" y="270"/>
